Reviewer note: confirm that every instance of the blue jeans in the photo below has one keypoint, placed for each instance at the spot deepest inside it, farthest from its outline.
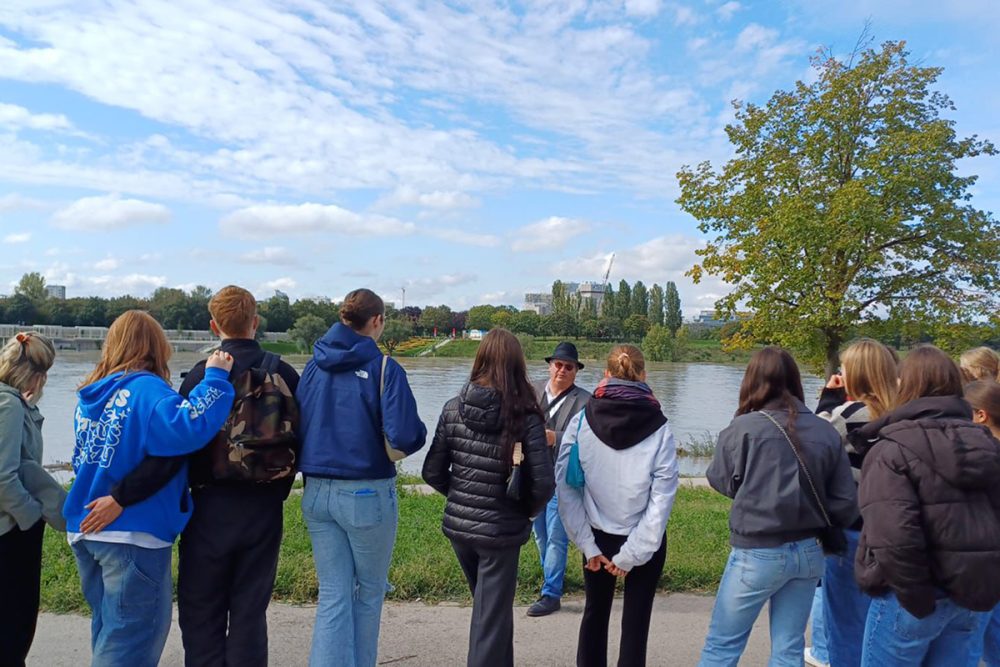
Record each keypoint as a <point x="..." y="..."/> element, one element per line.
<point x="553" y="543"/>
<point x="845" y="606"/>
<point x="130" y="593"/>
<point x="985" y="642"/>
<point x="817" y="618"/>
<point x="352" y="524"/>
<point x="893" y="636"/>
<point x="787" y="577"/>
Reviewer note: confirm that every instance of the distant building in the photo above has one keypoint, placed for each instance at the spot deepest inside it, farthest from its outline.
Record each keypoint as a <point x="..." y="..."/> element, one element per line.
<point x="56" y="292"/>
<point x="539" y="302"/>
<point x="591" y="293"/>
<point x="476" y="334"/>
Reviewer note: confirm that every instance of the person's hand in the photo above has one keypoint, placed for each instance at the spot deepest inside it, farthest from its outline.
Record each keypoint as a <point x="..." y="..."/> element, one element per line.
<point x="615" y="570"/>
<point x="103" y="511"/>
<point x="836" y="381"/>
<point x="220" y="359"/>
<point x="596" y="563"/>
<point x="550" y="437"/>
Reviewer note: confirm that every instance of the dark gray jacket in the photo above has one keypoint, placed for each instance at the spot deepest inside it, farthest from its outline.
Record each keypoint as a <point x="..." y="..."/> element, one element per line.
<point x="571" y="405"/>
<point x="772" y="502"/>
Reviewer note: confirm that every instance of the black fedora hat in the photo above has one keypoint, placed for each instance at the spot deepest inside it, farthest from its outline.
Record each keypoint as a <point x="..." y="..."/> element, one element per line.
<point x="565" y="352"/>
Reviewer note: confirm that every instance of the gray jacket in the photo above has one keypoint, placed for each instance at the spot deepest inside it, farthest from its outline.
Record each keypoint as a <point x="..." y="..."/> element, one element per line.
<point x="772" y="502"/>
<point x="571" y="405"/>
<point x="27" y="492"/>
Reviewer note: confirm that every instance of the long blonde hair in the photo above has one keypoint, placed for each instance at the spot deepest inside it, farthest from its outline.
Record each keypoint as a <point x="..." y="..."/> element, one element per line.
<point x="25" y="360"/>
<point x="626" y="362"/>
<point x="135" y="342"/>
<point x="871" y="375"/>
<point x="979" y="363"/>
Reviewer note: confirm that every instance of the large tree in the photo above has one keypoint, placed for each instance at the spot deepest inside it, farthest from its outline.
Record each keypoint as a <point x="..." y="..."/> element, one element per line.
<point x="843" y="204"/>
<point x="623" y="301"/>
<point x="672" y="316"/>
<point x="656" y="305"/>
<point x="640" y="300"/>
<point x="32" y="285"/>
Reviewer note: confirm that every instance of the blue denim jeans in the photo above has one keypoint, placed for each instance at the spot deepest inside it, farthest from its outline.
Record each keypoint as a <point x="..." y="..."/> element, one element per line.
<point x="985" y="643"/>
<point x="352" y="524"/>
<point x="845" y="607"/>
<point x="818" y="631"/>
<point x="787" y="577"/>
<point x="894" y="636"/>
<point x="553" y="544"/>
<point x="130" y="593"/>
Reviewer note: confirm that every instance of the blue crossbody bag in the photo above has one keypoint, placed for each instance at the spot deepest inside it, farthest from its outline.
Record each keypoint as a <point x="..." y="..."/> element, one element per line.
<point x="574" y="470"/>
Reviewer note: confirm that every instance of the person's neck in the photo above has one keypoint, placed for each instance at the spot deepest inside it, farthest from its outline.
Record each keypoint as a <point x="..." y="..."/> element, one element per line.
<point x="556" y="389"/>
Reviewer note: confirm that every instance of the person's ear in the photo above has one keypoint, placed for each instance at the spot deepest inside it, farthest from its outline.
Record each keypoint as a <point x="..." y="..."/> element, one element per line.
<point x="215" y="328"/>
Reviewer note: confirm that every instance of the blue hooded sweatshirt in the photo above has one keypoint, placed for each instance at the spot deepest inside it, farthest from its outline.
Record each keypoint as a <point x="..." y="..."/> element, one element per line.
<point x="342" y="418"/>
<point x="125" y="417"/>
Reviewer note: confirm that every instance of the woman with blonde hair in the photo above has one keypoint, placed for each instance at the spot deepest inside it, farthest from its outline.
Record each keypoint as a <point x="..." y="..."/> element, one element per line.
<point x="979" y="363"/>
<point x="127" y="410"/>
<point x="617" y="476"/>
<point x="29" y="496"/>
<point x="864" y="390"/>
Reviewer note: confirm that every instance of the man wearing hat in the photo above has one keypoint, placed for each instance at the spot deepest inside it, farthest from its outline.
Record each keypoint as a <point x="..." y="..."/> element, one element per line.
<point x="560" y="399"/>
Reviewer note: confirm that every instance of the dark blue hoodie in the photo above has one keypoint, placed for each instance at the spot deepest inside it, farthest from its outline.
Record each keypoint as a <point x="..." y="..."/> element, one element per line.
<point x="342" y="418"/>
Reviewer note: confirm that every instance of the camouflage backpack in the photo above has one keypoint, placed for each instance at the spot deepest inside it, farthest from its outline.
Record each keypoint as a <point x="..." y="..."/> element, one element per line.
<point x="258" y="442"/>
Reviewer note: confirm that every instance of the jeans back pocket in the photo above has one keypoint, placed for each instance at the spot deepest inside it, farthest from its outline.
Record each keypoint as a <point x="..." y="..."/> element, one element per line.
<point x="361" y="508"/>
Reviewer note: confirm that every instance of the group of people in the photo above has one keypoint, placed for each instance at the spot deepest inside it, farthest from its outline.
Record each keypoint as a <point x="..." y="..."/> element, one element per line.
<point x="886" y="495"/>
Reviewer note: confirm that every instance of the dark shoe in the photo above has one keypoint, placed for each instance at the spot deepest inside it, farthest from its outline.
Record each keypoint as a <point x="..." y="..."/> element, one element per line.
<point x="544" y="606"/>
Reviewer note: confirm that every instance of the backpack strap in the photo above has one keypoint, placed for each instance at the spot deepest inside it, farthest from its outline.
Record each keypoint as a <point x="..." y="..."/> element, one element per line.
<point x="269" y="364"/>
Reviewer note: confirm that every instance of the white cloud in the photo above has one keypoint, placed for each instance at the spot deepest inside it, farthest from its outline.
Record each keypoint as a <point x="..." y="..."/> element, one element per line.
<point x="643" y="8"/>
<point x="107" y="264"/>
<point x="684" y="16"/>
<point x="16" y="117"/>
<point x="283" y="284"/>
<point x="109" y="212"/>
<point x="464" y="237"/>
<point x="18" y="237"/>
<point x="14" y="202"/>
<point x="549" y="234"/>
<point x="726" y="11"/>
<point x="271" y="255"/>
<point x="437" y="200"/>
<point x="755" y="36"/>
<point x="276" y="219"/>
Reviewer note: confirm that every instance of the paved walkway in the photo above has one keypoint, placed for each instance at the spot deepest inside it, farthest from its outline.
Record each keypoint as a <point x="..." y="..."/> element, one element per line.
<point x="419" y="635"/>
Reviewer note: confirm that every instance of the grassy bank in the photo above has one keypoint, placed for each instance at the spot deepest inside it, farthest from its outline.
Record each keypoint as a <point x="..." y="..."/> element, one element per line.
<point x="424" y="566"/>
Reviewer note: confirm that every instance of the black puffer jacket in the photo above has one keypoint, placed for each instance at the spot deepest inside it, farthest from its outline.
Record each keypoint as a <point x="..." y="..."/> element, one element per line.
<point x="930" y="497"/>
<point x="466" y="462"/>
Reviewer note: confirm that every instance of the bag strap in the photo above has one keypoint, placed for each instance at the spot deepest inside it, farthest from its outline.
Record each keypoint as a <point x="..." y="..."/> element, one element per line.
<point x="269" y="364"/>
<point x="802" y="465"/>
<point x="381" y="379"/>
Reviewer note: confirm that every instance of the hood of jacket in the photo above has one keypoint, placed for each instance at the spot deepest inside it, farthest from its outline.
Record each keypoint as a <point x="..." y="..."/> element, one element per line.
<point x="621" y="423"/>
<point x="939" y="431"/>
<point x="479" y="408"/>
<point x="342" y="349"/>
<point x="95" y="396"/>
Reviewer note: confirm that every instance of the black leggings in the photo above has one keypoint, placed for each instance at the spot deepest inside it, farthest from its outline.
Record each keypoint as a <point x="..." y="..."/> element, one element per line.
<point x="20" y="581"/>
<point x="640" y="590"/>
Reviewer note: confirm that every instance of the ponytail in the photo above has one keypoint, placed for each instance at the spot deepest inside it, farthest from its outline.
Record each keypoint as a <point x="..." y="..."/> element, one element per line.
<point x="626" y="362"/>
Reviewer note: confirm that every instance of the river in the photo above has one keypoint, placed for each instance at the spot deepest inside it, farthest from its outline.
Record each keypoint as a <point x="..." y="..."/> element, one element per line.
<point x="697" y="398"/>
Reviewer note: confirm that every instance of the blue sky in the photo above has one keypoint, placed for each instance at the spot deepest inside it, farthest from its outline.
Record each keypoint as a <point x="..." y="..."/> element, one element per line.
<point x="467" y="151"/>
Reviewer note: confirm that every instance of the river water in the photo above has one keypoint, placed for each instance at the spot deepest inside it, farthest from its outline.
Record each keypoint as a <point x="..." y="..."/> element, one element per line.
<point x="697" y="398"/>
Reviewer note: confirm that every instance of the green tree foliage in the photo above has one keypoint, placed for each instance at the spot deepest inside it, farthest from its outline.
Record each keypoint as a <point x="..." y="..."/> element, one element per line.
<point x="438" y="317"/>
<point x="562" y="325"/>
<point x="635" y="327"/>
<point x="324" y="309"/>
<point x="396" y="331"/>
<point x="672" y="316"/>
<point x="842" y="205"/>
<point x="480" y="317"/>
<point x="307" y="330"/>
<point x="32" y="285"/>
<point x="526" y="322"/>
<point x="640" y="300"/>
<point x="658" y="345"/>
<point x="278" y="312"/>
<point x="169" y="305"/>
<point x="502" y="318"/>
<point x="20" y="309"/>
<point x="609" y="307"/>
<point x="623" y="301"/>
<point x="656" y="305"/>
<point x="682" y="341"/>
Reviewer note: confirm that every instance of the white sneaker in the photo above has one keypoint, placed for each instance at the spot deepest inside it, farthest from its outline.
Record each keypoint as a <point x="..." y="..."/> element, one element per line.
<point x="812" y="660"/>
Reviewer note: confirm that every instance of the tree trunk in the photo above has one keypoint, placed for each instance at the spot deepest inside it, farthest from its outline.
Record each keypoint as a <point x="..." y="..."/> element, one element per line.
<point x="833" y="341"/>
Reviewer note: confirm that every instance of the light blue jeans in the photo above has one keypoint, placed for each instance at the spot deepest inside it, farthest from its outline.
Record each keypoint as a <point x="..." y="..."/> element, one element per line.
<point x="130" y="593"/>
<point x="985" y="642"/>
<point x="895" y="637"/>
<point x="818" y="633"/>
<point x="845" y="606"/>
<point x="786" y="576"/>
<point x="553" y="544"/>
<point x="352" y="524"/>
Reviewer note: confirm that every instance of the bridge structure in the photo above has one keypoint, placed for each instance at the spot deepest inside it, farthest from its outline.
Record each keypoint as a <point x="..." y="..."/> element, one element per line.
<point x="92" y="338"/>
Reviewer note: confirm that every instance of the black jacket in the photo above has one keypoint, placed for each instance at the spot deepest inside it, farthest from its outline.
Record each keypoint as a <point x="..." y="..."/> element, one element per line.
<point x="467" y="463"/>
<point x="155" y="471"/>
<point x="931" y="502"/>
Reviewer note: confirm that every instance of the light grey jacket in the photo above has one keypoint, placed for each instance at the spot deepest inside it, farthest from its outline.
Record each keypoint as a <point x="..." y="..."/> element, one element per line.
<point x="27" y="492"/>
<point x="571" y="405"/>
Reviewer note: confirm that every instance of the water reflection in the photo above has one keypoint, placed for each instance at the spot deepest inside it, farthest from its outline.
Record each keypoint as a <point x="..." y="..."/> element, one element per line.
<point x="697" y="398"/>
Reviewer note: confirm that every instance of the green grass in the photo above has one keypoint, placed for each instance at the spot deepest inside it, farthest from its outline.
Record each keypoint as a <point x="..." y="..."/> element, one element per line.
<point x="424" y="565"/>
<point x="282" y="348"/>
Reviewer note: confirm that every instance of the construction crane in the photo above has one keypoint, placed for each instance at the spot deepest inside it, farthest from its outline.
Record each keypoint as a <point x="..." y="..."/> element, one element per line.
<point x="608" y="272"/>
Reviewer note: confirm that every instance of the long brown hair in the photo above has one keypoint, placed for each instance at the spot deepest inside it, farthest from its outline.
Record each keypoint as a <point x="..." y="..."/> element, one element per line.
<point x="135" y="342"/>
<point x="985" y="395"/>
<point x="500" y="365"/>
<point x="871" y="375"/>
<point x="927" y="371"/>
<point x="772" y="376"/>
<point x="626" y="362"/>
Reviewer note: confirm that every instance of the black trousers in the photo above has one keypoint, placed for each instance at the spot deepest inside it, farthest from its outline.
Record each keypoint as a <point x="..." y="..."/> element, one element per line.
<point x="640" y="590"/>
<point x="228" y="560"/>
<point x="492" y="577"/>
<point x="20" y="581"/>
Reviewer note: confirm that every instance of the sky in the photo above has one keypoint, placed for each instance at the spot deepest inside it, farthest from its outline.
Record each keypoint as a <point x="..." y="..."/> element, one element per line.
<point x="468" y="152"/>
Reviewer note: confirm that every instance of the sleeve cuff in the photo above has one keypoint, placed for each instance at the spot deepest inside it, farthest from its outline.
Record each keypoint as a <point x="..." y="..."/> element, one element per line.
<point x="30" y="516"/>
<point x="216" y="373"/>
<point x="623" y="562"/>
